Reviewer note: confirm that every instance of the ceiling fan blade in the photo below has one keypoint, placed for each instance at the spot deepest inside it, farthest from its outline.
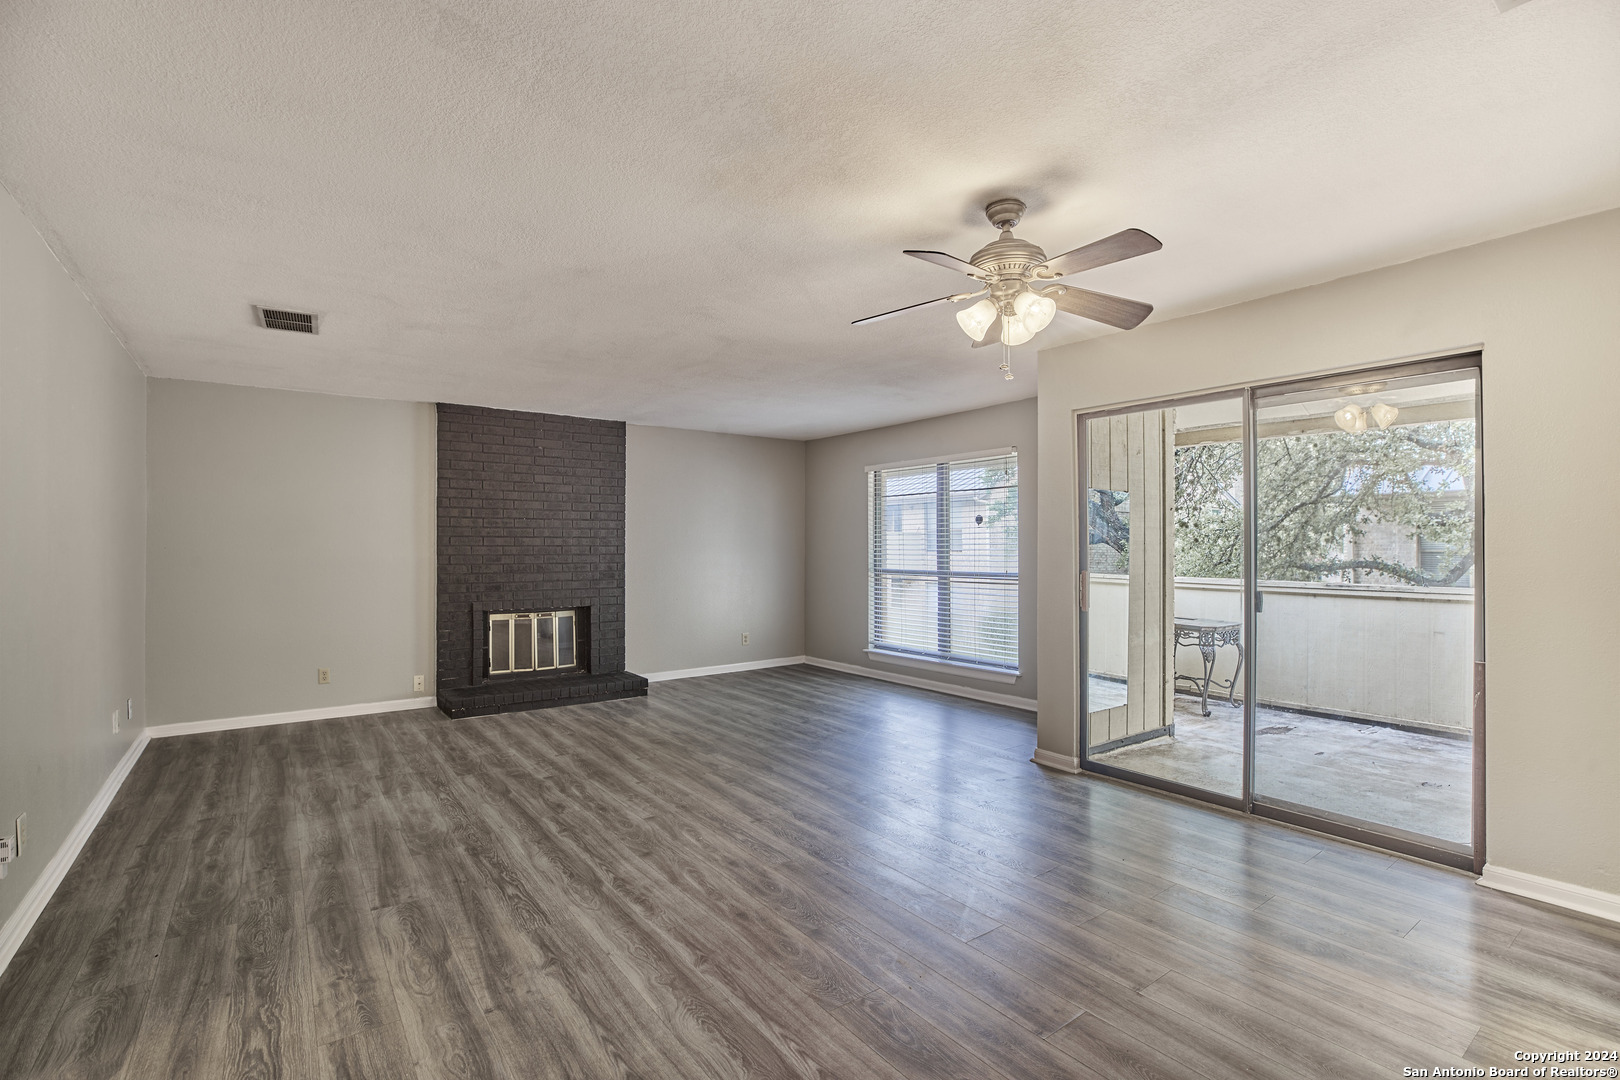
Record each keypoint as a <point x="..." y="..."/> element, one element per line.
<point x="950" y="262"/>
<point x="992" y="336"/>
<point x="903" y="310"/>
<point x="1110" y="249"/>
<point x="1100" y="307"/>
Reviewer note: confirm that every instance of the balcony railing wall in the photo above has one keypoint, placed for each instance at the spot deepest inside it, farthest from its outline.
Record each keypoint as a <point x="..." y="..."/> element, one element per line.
<point x="1389" y="653"/>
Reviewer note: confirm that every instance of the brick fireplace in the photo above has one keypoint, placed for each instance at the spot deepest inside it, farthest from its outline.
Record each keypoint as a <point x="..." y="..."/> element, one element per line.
<point x="531" y="523"/>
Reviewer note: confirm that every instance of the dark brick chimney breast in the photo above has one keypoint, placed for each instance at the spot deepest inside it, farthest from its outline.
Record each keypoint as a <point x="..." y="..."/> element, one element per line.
<point x="531" y="518"/>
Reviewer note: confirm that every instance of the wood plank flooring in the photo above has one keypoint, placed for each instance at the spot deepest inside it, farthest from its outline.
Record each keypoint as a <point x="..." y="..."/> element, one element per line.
<point x="784" y="873"/>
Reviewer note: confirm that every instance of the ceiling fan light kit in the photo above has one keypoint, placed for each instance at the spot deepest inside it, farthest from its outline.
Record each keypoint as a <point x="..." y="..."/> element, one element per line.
<point x="1034" y="311"/>
<point x="976" y="320"/>
<point x="1014" y="272"/>
<point x="1014" y="332"/>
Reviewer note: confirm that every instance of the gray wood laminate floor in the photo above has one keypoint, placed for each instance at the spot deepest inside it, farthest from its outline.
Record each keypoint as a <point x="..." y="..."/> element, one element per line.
<point x="775" y="874"/>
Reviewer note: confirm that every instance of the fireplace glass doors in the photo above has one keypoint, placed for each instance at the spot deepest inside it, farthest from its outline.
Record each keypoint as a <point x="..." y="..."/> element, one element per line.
<point x="531" y="641"/>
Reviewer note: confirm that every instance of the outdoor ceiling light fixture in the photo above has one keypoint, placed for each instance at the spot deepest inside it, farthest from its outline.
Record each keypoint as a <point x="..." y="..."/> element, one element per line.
<point x="1353" y="417"/>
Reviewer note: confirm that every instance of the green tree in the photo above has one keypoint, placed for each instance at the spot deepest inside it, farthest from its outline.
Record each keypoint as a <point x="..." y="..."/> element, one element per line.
<point x="1316" y="489"/>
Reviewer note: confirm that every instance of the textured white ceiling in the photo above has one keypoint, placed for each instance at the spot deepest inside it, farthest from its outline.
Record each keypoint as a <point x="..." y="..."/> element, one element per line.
<point x="669" y="213"/>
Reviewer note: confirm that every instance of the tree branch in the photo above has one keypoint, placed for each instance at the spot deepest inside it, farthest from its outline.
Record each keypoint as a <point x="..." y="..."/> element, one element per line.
<point x="1106" y="525"/>
<point x="1394" y="570"/>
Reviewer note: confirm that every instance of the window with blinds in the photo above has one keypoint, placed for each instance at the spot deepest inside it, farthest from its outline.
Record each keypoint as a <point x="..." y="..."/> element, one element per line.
<point x="945" y="560"/>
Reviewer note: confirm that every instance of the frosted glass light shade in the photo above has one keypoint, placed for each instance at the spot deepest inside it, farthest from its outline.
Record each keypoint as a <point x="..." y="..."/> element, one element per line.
<point x="1383" y="415"/>
<point x="976" y="320"/>
<point x="1351" y="418"/>
<point x="1036" y="310"/>
<point x="1015" y="331"/>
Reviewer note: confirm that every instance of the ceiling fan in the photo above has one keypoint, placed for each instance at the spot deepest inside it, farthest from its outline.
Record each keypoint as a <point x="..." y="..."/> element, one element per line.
<point x="1014" y="273"/>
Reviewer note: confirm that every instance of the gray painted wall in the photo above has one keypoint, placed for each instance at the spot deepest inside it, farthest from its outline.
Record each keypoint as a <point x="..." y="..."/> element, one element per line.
<point x="1543" y="305"/>
<point x="72" y="549"/>
<point x="315" y="514"/>
<point x="287" y="532"/>
<point x="714" y="546"/>
<point x="835" y="586"/>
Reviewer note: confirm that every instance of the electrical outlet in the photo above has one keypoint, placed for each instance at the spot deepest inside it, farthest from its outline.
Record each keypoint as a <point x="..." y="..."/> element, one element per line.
<point x="22" y="832"/>
<point x="117" y="717"/>
<point x="419" y="683"/>
<point x="745" y="637"/>
<point x="323" y="675"/>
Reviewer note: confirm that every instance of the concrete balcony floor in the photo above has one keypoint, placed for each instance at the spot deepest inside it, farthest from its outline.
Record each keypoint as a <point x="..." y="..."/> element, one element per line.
<point x="1387" y="776"/>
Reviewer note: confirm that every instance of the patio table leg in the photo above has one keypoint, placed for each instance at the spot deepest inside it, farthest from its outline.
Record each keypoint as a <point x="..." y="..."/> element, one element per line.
<point x="1208" y="653"/>
<point x="1231" y="689"/>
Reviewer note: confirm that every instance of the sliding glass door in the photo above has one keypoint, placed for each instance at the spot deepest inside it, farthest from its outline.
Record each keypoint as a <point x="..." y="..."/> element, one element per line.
<point x="1365" y="515"/>
<point x="1279" y="603"/>
<point x="1164" y="584"/>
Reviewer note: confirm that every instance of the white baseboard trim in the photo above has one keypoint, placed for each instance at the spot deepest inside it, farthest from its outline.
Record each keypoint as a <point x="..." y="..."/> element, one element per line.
<point x="33" y="903"/>
<point x="1562" y="894"/>
<point x="925" y="684"/>
<point x="328" y="712"/>
<point x="723" y="669"/>
<point x="1061" y="762"/>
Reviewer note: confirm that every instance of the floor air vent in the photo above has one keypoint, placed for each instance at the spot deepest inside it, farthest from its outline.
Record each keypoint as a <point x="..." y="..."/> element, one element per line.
<point x="301" y="322"/>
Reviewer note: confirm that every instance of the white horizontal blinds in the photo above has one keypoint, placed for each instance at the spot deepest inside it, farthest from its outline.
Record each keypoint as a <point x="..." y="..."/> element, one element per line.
<point x="984" y="560"/>
<point x="905" y="585"/>
<point x="945" y="560"/>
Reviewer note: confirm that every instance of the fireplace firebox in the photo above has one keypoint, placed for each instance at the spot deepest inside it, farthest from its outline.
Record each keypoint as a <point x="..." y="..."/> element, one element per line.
<point x="532" y="642"/>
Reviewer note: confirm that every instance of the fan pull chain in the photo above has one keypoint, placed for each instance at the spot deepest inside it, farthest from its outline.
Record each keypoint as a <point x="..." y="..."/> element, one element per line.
<point x="1006" y="361"/>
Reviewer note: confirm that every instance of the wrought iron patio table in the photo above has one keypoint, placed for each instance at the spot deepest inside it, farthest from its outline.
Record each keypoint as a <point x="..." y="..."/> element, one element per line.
<point x="1210" y="635"/>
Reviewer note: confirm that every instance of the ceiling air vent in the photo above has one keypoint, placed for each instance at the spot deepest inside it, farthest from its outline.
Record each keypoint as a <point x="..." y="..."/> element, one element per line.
<point x="300" y="322"/>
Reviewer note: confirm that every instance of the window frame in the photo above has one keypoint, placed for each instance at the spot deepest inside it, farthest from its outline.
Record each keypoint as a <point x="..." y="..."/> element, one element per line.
<point x="899" y="655"/>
